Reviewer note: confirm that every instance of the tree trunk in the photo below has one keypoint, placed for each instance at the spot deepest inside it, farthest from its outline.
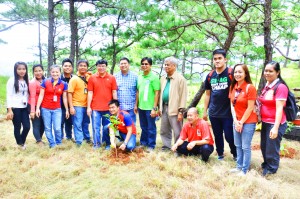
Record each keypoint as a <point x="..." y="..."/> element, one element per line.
<point x="50" y="34"/>
<point x="39" y="35"/>
<point x="267" y="41"/>
<point x="183" y="62"/>
<point x="73" y="29"/>
<point x="287" y="53"/>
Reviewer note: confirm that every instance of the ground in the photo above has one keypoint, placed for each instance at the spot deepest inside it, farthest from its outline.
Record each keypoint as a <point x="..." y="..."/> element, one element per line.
<point x="71" y="172"/>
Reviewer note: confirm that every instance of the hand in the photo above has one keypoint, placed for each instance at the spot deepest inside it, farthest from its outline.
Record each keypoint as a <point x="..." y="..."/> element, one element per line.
<point x="159" y="113"/>
<point x="191" y="145"/>
<point x="37" y="112"/>
<point x="153" y="113"/>
<point x="180" y="117"/>
<point x="9" y="115"/>
<point x="72" y="111"/>
<point x="174" y="147"/>
<point x="89" y="112"/>
<point x="238" y="126"/>
<point x="67" y="114"/>
<point x="122" y="147"/>
<point x="205" y="115"/>
<point x="135" y="109"/>
<point x="273" y="133"/>
<point x="32" y="115"/>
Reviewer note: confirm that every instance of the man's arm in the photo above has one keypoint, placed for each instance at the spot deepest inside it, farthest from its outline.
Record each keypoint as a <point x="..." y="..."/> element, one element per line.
<point x="206" y="103"/>
<point x="89" y="101"/>
<point x="156" y="98"/>
<point x="70" y="100"/>
<point x="114" y="94"/>
<point x="136" y="102"/>
<point x="129" y="132"/>
<point x="178" y="143"/>
<point x="65" y="101"/>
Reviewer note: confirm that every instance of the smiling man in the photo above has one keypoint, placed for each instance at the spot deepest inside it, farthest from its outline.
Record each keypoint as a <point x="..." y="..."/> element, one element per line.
<point x="77" y="98"/>
<point x="127" y="87"/>
<point x="217" y="103"/>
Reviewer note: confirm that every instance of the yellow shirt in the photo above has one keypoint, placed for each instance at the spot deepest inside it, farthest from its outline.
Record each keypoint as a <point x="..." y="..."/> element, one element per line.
<point x="78" y="88"/>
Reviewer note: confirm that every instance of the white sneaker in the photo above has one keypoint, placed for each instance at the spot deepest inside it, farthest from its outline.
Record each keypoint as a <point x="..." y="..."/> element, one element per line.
<point x="241" y="174"/>
<point x="23" y="147"/>
<point x="235" y="170"/>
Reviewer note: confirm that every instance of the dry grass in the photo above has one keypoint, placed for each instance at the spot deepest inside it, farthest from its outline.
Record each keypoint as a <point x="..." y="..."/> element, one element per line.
<point x="71" y="172"/>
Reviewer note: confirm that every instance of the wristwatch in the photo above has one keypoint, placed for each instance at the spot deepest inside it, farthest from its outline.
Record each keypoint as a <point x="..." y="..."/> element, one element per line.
<point x="155" y="108"/>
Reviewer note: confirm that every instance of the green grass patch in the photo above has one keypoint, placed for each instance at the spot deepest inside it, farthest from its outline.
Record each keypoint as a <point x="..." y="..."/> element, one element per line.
<point x="3" y="81"/>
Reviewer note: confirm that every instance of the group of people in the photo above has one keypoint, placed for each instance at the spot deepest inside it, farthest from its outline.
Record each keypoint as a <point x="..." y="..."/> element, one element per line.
<point x="63" y="101"/>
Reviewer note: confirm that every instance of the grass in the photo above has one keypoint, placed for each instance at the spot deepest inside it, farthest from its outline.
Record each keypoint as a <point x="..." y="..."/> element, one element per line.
<point x="71" y="172"/>
<point x="3" y="81"/>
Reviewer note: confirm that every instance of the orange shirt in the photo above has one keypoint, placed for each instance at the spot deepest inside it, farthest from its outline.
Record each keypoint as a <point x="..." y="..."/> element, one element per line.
<point x="102" y="88"/>
<point x="241" y="103"/>
<point x="78" y="88"/>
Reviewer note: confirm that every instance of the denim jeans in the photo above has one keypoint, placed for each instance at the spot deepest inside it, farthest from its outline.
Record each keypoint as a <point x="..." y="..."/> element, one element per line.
<point x="81" y="123"/>
<point x="203" y="150"/>
<point x="270" y="148"/>
<point x="38" y="128"/>
<point x="131" y="143"/>
<point x="220" y="125"/>
<point x="242" y="142"/>
<point x="21" y="118"/>
<point x="98" y="124"/>
<point x="148" y="126"/>
<point x="52" y="117"/>
<point x="132" y="115"/>
<point x="66" y="124"/>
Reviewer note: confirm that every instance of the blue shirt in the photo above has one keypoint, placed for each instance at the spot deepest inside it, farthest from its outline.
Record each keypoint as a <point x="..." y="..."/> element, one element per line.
<point x="127" y="86"/>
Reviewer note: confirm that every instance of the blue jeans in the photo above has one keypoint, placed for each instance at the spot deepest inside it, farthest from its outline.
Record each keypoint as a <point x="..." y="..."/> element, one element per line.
<point x="270" y="148"/>
<point x="52" y="117"/>
<point x="81" y="123"/>
<point x="67" y="123"/>
<point x="38" y="128"/>
<point x="98" y="122"/>
<point x="132" y="115"/>
<point x="21" y="118"/>
<point x="220" y="125"/>
<point x="148" y="126"/>
<point x="242" y="142"/>
<point x="131" y="143"/>
<point x="203" y="150"/>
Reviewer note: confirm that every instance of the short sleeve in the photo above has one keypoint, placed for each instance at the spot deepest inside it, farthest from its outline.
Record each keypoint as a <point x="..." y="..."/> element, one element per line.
<point x="43" y="84"/>
<point x="207" y="85"/>
<point x="65" y="86"/>
<point x="114" y="83"/>
<point x="91" y="84"/>
<point x="281" y="92"/>
<point x="156" y="83"/>
<point x="127" y="120"/>
<point x="183" y="133"/>
<point x="72" y="85"/>
<point x="251" y="95"/>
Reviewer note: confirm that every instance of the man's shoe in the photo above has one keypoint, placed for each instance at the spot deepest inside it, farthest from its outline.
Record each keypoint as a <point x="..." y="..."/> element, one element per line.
<point x="149" y="150"/>
<point x="165" y="148"/>
<point x="241" y="174"/>
<point x="221" y="157"/>
<point x="235" y="170"/>
<point x="107" y="148"/>
<point x="266" y="172"/>
<point x="234" y="158"/>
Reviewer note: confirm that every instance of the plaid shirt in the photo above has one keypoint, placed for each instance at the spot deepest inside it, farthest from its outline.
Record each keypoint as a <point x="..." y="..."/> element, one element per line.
<point x="127" y="87"/>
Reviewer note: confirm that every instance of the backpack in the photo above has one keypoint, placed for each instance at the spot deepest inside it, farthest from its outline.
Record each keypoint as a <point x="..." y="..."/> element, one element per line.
<point x="229" y="72"/>
<point x="291" y="108"/>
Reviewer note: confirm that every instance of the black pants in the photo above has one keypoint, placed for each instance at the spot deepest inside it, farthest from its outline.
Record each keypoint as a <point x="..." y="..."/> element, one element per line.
<point x="66" y="125"/>
<point x="21" y="118"/>
<point x="203" y="150"/>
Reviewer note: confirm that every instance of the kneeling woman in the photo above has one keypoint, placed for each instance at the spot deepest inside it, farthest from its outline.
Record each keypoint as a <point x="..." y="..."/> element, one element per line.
<point x="242" y="97"/>
<point x="52" y="89"/>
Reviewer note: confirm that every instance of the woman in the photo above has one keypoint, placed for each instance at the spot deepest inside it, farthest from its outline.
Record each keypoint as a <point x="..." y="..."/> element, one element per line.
<point x="34" y="88"/>
<point x="272" y="99"/>
<point x="242" y="97"/>
<point x="17" y="100"/>
<point x="52" y="89"/>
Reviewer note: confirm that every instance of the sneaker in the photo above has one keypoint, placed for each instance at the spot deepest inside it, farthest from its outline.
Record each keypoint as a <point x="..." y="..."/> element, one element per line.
<point x="150" y="150"/>
<point x="165" y="148"/>
<point x="221" y="157"/>
<point x="266" y="172"/>
<point x="107" y="148"/>
<point x="235" y="170"/>
<point x="234" y="158"/>
<point x="241" y="174"/>
<point x="141" y="147"/>
<point x="23" y="147"/>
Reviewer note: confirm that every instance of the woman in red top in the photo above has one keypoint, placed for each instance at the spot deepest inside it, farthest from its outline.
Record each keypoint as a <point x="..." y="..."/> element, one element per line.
<point x="242" y="97"/>
<point x="272" y="99"/>
<point x="34" y="88"/>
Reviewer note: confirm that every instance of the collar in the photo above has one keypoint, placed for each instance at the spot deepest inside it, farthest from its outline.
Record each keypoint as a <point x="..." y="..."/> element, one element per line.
<point x="148" y="74"/>
<point x="197" y="123"/>
<point x="172" y="76"/>
<point x="236" y="86"/>
<point x="58" y="82"/>
<point x="97" y="74"/>
<point x="272" y="84"/>
<point x="63" y="76"/>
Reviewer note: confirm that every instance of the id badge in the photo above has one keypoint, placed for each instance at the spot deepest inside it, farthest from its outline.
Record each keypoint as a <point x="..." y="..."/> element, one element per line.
<point x="55" y="98"/>
<point x="85" y="91"/>
<point x="198" y="132"/>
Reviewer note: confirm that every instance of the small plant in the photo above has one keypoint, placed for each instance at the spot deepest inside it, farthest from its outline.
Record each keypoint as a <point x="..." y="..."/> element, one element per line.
<point x="290" y="127"/>
<point x="283" y="150"/>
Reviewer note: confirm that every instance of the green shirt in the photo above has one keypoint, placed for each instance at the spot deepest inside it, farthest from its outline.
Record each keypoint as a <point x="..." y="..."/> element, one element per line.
<point x="147" y="85"/>
<point x="166" y="92"/>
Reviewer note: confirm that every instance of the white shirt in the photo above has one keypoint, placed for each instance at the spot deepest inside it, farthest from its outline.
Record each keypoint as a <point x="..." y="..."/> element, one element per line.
<point x="19" y="99"/>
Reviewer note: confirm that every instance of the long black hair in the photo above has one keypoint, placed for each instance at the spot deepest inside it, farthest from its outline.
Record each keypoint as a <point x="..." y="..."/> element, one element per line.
<point x="276" y="67"/>
<point x="16" y="83"/>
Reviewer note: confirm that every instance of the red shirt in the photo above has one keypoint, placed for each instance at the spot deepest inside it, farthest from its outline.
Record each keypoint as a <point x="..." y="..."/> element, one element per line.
<point x="241" y="103"/>
<point x="34" y="88"/>
<point x="268" y="103"/>
<point x="200" y="132"/>
<point x="126" y="120"/>
<point x="49" y="100"/>
<point x="102" y="88"/>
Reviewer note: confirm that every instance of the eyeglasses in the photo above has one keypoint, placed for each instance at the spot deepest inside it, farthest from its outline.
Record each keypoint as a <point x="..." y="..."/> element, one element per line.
<point x="145" y="64"/>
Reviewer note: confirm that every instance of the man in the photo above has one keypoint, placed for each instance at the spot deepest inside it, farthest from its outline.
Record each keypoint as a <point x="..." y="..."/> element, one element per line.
<point x="127" y="85"/>
<point x="77" y="98"/>
<point x="217" y="102"/>
<point x="125" y="130"/>
<point x="147" y="100"/>
<point x="102" y="87"/>
<point x="67" y="66"/>
<point x="198" y="136"/>
<point x="172" y="102"/>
